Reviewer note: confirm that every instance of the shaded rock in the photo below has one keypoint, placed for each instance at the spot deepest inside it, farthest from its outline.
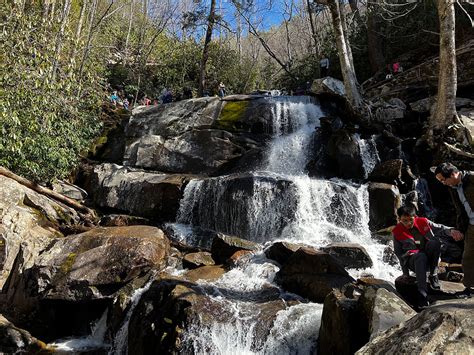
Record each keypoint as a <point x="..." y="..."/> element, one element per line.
<point x="384" y="200"/>
<point x="29" y="221"/>
<point x="424" y="105"/>
<point x="389" y="256"/>
<point x="358" y="312"/>
<point x="466" y="116"/>
<point x="281" y="251"/>
<point x="121" y="220"/>
<point x="328" y="85"/>
<point x="343" y="330"/>
<point x="14" y="340"/>
<point x="406" y="287"/>
<point x="194" y="260"/>
<point x="224" y="246"/>
<point x="350" y="255"/>
<point x="144" y="194"/>
<point x="312" y="274"/>
<point x="344" y="149"/>
<point x="446" y="328"/>
<point x="391" y="111"/>
<point x="389" y="172"/>
<point x="69" y="190"/>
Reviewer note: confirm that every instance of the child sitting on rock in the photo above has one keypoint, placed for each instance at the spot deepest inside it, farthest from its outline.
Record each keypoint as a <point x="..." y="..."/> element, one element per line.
<point x="417" y="246"/>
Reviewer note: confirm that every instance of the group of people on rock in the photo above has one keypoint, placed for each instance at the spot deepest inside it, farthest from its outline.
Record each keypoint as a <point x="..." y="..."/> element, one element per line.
<point x="419" y="242"/>
<point x="165" y="97"/>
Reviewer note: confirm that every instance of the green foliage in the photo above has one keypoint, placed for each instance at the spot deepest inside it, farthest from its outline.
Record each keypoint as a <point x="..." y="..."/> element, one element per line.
<point x="44" y="124"/>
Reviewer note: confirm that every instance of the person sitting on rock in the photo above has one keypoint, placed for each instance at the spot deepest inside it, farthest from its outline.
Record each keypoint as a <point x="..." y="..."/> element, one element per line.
<point x="417" y="246"/>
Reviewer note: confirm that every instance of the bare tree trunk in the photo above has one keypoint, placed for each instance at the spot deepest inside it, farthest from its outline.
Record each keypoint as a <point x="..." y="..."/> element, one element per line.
<point x="239" y="34"/>
<point x="345" y="55"/>
<point x="313" y="30"/>
<point x="205" y="51"/>
<point x="128" y="32"/>
<point x="445" y="111"/>
<point x="88" y="44"/>
<point x="59" y="39"/>
<point x="374" y="40"/>
<point x="79" y="28"/>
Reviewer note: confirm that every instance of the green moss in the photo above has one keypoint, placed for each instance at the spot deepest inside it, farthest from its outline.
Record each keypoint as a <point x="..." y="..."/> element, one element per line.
<point x="68" y="263"/>
<point x="67" y="218"/>
<point x="231" y="114"/>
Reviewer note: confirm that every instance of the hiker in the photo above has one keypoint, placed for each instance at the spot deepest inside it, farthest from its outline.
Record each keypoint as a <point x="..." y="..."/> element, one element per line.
<point x="324" y="67"/>
<point x="396" y="67"/>
<point x="221" y="90"/>
<point x="417" y="246"/>
<point x="461" y="185"/>
<point x="126" y="104"/>
<point x="114" y="98"/>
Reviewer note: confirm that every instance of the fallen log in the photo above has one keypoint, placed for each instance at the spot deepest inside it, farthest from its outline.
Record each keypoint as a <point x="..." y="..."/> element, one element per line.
<point x="87" y="214"/>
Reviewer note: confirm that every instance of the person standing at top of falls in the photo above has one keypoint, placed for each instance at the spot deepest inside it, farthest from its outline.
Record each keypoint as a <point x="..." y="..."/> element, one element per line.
<point x="324" y="67"/>
<point x="461" y="185"/>
<point x="221" y="90"/>
<point x="417" y="247"/>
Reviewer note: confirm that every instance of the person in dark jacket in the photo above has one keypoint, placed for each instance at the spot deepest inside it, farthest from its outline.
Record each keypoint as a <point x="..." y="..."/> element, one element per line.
<point x="417" y="246"/>
<point x="462" y="194"/>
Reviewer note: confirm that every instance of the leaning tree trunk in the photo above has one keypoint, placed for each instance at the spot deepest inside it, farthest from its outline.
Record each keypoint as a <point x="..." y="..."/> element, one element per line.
<point x="345" y="56"/>
<point x="445" y="111"/>
<point x="205" y="51"/>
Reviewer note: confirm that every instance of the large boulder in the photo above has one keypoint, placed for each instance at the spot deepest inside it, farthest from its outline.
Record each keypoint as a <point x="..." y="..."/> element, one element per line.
<point x="75" y="279"/>
<point x="145" y="194"/>
<point x="194" y="260"/>
<point x="281" y="251"/>
<point x="384" y="200"/>
<point x="312" y="274"/>
<point x="344" y="149"/>
<point x="350" y="255"/>
<point x="446" y="328"/>
<point x="92" y="264"/>
<point x="357" y="313"/>
<point x="28" y="221"/>
<point x="328" y="85"/>
<point x="224" y="246"/>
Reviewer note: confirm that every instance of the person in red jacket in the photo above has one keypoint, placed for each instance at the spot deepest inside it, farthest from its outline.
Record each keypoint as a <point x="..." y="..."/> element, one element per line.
<point x="417" y="246"/>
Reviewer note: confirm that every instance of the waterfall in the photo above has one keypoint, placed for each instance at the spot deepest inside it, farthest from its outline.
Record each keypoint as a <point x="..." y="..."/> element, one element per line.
<point x="88" y="343"/>
<point x="278" y="202"/>
<point x="120" y="343"/>
<point x="369" y="154"/>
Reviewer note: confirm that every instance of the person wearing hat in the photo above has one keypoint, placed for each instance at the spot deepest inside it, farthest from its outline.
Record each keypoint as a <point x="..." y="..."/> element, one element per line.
<point x="461" y="185"/>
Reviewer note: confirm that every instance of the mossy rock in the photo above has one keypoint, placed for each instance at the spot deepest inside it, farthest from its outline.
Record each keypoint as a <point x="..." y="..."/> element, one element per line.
<point x="231" y="115"/>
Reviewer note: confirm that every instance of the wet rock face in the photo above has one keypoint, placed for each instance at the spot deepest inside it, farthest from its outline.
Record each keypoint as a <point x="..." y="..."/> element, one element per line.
<point x="145" y="194"/>
<point x="350" y="255"/>
<point x="194" y="260"/>
<point x="384" y="199"/>
<point x="312" y="274"/>
<point x="446" y="328"/>
<point x="249" y="199"/>
<point x="172" y="305"/>
<point x="224" y="246"/>
<point x="281" y="251"/>
<point x="344" y="149"/>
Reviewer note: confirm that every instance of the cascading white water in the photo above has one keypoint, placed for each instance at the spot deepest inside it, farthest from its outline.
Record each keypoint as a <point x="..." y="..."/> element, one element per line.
<point x="120" y="344"/>
<point x="94" y="341"/>
<point x="281" y="203"/>
<point x="368" y="153"/>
